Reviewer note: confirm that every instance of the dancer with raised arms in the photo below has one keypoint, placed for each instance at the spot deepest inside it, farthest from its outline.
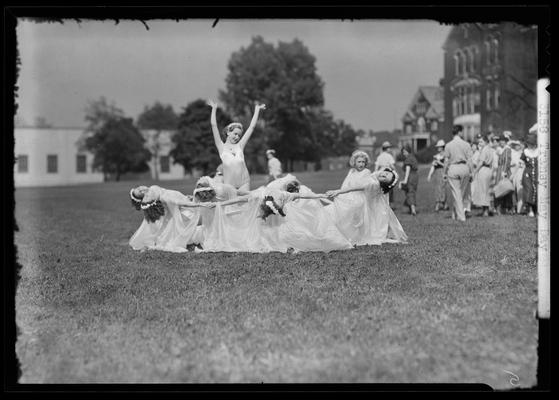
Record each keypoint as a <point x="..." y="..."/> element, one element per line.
<point x="231" y="151"/>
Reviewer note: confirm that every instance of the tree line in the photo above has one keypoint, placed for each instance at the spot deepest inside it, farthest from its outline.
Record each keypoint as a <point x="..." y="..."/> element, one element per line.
<point x="295" y="122"/>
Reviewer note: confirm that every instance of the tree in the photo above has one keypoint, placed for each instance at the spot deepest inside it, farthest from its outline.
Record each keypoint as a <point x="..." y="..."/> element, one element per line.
<point x="118" y="147"/>
<point x="154" y="120"/>
<point x="193" y="141"/>
<point x="285" y="79"/>
<point x="97" y="113"/>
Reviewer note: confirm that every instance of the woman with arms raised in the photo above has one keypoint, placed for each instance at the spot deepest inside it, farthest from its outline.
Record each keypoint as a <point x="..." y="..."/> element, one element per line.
<point x="235" y="171"/>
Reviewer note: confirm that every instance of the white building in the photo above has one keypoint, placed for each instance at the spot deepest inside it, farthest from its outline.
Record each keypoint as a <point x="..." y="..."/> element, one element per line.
<point x="52" y="157"/>
<point x="162" y="162"/>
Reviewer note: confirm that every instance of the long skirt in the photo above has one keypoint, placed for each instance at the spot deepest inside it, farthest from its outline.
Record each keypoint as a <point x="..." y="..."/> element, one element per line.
<point x="480" y="187"/>
<point x="440" y="186"/>
<point x="411" y="189"/>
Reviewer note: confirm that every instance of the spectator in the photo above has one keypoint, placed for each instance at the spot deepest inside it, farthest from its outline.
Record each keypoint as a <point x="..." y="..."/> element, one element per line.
<point x="458" y="172"/>
<point x="483" y="174"/>
<point x="517" y="169"/>
<point x="386" y="160"/>
<point x="436" y="172"/>
<point x="274" y="165"/>
<point x="409" y="183"/>
<point x="530" y="176"/>
<point x="503" y="204"/>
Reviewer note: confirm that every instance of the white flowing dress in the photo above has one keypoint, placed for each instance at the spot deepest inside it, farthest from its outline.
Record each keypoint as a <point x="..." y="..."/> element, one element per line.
<point x="173" y="231"/>
<point x="305" y="227"/>
<point x="365" y="217"/>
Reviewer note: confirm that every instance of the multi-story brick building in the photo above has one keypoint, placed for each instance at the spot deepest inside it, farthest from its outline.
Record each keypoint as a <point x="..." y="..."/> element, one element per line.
<point x="490" y="77"/>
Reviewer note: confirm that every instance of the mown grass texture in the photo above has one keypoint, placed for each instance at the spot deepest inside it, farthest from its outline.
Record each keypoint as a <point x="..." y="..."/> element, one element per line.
<point x="456" y="304"/>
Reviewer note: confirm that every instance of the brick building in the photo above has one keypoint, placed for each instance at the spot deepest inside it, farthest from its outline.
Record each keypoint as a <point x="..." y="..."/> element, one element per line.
<point x="490" y="76"/>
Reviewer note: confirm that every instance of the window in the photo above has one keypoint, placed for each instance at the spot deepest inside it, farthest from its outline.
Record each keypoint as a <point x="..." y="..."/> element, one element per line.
<point x="477" y="100"/>
<point x="408" y="128"/>
<point x="497" y="97"/>
<point x="489" y="99"/>
<point x="52" y="164"/>
<point x="467" y="63"/>
<point x="81" y="166"/>
<point x="464" y="62"/>
<point x="456" y="64"/>
<point x="22" y="163"/>
<point x="454" y="108"/>
<point x="473" y="54"/>
<point x="434" y="126"/>
<point x="488" y="52"/>
<point x="495" y="51"/>
<point x="164" y="164"/>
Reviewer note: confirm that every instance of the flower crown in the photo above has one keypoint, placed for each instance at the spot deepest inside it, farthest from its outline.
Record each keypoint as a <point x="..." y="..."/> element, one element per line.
<point x="395" y="181"/>
<point x="271" y="206"/>
<point x="202" y="189"/>
<point x="148" y="205"/>
<point x="232" y="126"/>
<point x="134" y="197"/>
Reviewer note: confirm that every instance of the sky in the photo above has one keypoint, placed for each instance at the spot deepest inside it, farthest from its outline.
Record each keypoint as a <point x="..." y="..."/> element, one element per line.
<point x="371" y="68"/>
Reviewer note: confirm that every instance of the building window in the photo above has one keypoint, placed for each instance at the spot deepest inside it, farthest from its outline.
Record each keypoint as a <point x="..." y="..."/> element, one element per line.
<point x="22" y="163"/>
<point x="497" y="97"/>
<point x="408" y="128"/>
<point x="164" y="164"/>
<point x="434" y="126"/>
<point x="456" y="64"/>
<point x="489" y="99"/>
<point x="473" y="56"/>
<point x="52" y="164"/>
<point x="488" y="52"/>
<point x="81" y="166"/>
<point x="477" y="100"/>
<point x="495" y="51"/>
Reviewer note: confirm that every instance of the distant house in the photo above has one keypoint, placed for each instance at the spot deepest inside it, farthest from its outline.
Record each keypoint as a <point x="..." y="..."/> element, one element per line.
<point x="490" y="77"/>
<point x="423" y="121"/>
<point x="53" y="156"/>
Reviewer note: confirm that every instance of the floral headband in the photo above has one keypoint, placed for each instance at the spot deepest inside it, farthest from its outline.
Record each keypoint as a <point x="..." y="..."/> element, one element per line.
<point x="271" y="206"/>
<point x="234" y="125"/>
<point x="148" y="205"/>
<point x="395" y="181"/>
<point x="134" y="197"/>
<point x="202" y="189"/>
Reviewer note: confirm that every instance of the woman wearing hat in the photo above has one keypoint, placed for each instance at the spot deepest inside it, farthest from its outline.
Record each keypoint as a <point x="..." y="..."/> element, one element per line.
<point x="483" y="174"/>
<point x="517" y="170"/>
<point x="436" y="173"/>
<point x="504" y="204"/>
<point x="530" y="176"/>
<point x="231" y="151"/>
<point x="386" y="160"/>
<point x="411" y="178"/>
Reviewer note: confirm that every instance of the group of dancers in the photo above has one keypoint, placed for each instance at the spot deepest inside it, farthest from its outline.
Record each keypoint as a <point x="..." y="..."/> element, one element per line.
<point x="285" y="215"/>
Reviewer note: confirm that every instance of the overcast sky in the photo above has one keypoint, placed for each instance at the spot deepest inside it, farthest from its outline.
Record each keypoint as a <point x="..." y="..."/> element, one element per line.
<point x="371" y="68"/>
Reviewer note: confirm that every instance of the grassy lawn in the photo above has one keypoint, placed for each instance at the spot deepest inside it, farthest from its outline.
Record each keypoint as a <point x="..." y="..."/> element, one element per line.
<point x="456" y="304"/>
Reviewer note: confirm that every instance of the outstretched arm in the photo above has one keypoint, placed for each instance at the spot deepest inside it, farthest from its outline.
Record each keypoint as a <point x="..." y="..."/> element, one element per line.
<point x="334" y="193"/>
<point x="309" y="196"/>
<point x="252" y="125"/>
<point x="235" y="200"/>
<point x="215" y="130"/>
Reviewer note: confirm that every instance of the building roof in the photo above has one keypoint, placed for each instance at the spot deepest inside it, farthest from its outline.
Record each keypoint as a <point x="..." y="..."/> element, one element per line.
<point x="435" y="98"/>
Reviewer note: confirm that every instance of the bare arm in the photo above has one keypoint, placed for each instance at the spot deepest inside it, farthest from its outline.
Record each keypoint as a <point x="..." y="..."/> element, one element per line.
<point x="430" y="173"/>
<point x="309" y="196"/>
<point x="334" y="193"/>
<point x="252" y="125"/>
<point x="215" y="130"/>
<point x="236" y="200"/>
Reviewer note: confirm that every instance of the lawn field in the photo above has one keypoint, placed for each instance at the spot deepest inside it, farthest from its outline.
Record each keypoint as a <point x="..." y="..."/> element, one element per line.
<point x="454" y="305"/>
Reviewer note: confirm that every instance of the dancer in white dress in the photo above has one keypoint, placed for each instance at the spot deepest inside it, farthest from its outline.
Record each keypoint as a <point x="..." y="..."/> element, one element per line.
<point x="361" y="208"/>
<point x="235" y="171"/>
<point x="166" y="225"/>
<point x="274" y="220"/>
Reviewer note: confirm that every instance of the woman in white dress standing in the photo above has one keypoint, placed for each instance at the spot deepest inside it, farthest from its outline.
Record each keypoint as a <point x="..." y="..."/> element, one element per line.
<point x="361" y="208"/>
<point x="235" y="171"/>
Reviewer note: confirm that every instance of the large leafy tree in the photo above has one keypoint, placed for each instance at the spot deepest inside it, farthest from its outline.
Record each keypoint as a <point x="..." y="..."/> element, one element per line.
<point x="193" y="141"/>
<point x="286" y="80"/>
<point x="118" y="147"/>
<point x="153" y="121"/>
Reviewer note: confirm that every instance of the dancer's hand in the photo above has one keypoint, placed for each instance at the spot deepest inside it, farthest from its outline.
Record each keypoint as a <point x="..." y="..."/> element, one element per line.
<point x="211" y="103"/>
<point x="259" y="106"/>
<point x="332" y="193"/>
<point x="209" y="204"/>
